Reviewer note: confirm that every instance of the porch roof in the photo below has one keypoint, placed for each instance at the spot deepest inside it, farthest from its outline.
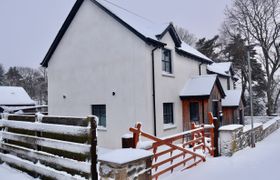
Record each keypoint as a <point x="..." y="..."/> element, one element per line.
<point x="222" y="68"/>
<point x="232" y="98"/>
<point x="199" y="86"/>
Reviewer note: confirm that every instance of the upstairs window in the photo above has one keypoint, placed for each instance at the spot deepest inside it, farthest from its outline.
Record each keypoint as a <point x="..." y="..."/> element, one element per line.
<point x="100" y="112"/>
<point x="166" y="61"/>
<point x="168" y="113"/>
<point x="194" y="111"/>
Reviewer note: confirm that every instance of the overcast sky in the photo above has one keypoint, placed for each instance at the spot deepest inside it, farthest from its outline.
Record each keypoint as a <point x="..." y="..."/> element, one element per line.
<point x="28" y="27"/>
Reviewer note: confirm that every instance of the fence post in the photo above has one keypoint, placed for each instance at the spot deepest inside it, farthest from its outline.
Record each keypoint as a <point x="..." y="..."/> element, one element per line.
<point x="136" y="135"/>
<point x="192" y="134"/>
<point x="214" y="134"/>
<point x="5" y="116"/>
<point x="216" y="137"/>
<point x="38" y="119"/>
<point x="1" y="140"/>
<point x="93" y="144"/>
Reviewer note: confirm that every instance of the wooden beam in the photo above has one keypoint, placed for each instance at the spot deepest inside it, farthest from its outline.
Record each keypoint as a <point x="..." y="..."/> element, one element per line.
<point x="38" y="168"/>
<point x="46" y="157"/>
<point x="46" y="142"/>
<point x="50" y="128"/>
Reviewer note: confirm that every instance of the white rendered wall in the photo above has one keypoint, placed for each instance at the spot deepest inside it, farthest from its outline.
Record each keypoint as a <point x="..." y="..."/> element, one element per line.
<point x="168" y="87"/>
<point x="98" y="56"/>
<point x="224" y="83"/>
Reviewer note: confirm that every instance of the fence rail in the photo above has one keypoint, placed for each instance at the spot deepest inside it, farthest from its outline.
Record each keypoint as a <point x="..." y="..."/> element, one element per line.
<point x="186" y="155"/>
<point x="49" y="146"/>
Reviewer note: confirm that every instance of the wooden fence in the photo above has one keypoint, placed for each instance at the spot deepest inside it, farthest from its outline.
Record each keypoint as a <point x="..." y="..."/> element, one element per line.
<point x="181" y="149"/>
<point x="50" y="146"/>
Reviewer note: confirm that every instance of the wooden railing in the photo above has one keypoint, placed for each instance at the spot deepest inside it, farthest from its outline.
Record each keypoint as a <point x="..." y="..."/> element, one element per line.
<point x="49" y="146"/>
<point x="181" y="148"/>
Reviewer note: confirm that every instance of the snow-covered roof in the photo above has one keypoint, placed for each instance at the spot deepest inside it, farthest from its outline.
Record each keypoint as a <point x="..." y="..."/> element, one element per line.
<point x="232" y="98"/>
<point x="222" y="68"/>
<point x="11" y="95"/>
<point x="146" y="27"/>
<point x="199" y="86"/>
<point x="187" y="48"/>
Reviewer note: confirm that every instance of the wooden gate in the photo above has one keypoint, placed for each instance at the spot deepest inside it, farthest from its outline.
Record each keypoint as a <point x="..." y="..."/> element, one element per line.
<point x="182" y="148"/>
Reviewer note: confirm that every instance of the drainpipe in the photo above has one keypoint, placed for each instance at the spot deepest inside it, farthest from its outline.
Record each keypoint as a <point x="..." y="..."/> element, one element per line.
<point x="199" y="68"/>
<point x="154" y="97"/>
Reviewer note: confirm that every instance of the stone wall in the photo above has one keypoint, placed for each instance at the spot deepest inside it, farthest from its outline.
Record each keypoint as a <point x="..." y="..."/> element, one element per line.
<point x="268" y="129"/>
<point x="233" y="138"/>
<point x="126" y="164"/>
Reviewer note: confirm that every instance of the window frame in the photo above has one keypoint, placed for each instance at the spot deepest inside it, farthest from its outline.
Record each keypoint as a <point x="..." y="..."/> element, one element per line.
<point x="168" y="116"/>
<point x="100" y="117"/>
<point x="166" y="61"/>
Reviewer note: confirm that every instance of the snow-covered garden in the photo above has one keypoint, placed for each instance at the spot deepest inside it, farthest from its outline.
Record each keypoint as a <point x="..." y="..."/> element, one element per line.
<point x="6" y="172"/>
<point x="258" y="163"/>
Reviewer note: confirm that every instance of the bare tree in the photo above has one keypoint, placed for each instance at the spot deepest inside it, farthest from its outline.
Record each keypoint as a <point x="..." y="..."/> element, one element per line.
<point x="186" y="36"/>
<point x="259" y="22"/>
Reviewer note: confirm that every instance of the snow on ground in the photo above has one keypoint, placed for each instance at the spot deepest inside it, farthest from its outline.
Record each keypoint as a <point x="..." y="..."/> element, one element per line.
<point x="6" y="172"/>
<point x="258" y="119"/>
<point x="259" y="163"/>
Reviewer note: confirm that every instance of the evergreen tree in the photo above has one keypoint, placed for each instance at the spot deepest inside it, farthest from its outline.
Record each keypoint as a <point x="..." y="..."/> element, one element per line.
<point x="13" y="77"/>
<point x="209" y="47"/>
<point x="236" y="51"/>
<point x="2" y="75"/>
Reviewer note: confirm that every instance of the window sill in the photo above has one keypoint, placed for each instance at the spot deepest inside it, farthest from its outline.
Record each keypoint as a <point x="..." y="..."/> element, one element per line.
<point x="101" y="128"/>
<point x="168" y="75"/>
<point x="169" y="126"/>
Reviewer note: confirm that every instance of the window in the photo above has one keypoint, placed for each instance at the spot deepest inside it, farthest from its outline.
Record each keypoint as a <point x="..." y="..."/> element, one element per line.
<point x="168" y="113"/>
<point x="194" y="111"/>
<point x="166" y="61"/>
<point x="215" y="108"/>
<point x="100" y="112"/>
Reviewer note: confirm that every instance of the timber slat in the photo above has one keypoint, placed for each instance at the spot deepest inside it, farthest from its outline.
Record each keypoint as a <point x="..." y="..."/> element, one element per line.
<point x="38" y="168"/>
<point x="171" y="167"/>
<point x="156" y="165"/>
<point x="44" y="127"/>
<point x="46" y="142"/>
<point x="46" y="157"/>
<point x="74" y="121"/>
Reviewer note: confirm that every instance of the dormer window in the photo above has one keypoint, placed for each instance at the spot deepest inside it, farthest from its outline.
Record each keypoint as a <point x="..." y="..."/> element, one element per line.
<point x="166" y="61"/>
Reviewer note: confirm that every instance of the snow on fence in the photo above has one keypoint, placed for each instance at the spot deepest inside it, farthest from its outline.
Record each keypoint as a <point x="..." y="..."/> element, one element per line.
<point x="50" y="146"/>
<point x="179" y="151"/>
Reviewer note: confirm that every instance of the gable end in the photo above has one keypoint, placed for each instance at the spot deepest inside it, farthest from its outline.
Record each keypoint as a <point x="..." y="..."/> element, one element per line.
<point x="61" y="32"/>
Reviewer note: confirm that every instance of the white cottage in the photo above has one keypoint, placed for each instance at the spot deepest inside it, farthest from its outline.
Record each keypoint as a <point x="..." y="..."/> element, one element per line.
<point x="108" y="62"/>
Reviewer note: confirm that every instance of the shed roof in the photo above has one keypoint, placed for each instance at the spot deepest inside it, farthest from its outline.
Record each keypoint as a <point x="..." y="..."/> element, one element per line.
<point x="233" y="98"/>
<point x="222" y="68"/>
<point x="201" y="86"/>
<point x="148" y="31"/>
<point x="12" y="95"/>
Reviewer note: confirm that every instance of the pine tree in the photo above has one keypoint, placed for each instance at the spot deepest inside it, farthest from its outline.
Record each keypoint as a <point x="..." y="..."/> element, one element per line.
<point x="2" y="75"/>
<point x="13" y="77"/>
<point x="208" y="47"/>
<point x="236" y="52"/>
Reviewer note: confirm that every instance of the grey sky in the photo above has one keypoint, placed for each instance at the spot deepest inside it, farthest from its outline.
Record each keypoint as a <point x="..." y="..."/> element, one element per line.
<point x="28" y="27"/>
